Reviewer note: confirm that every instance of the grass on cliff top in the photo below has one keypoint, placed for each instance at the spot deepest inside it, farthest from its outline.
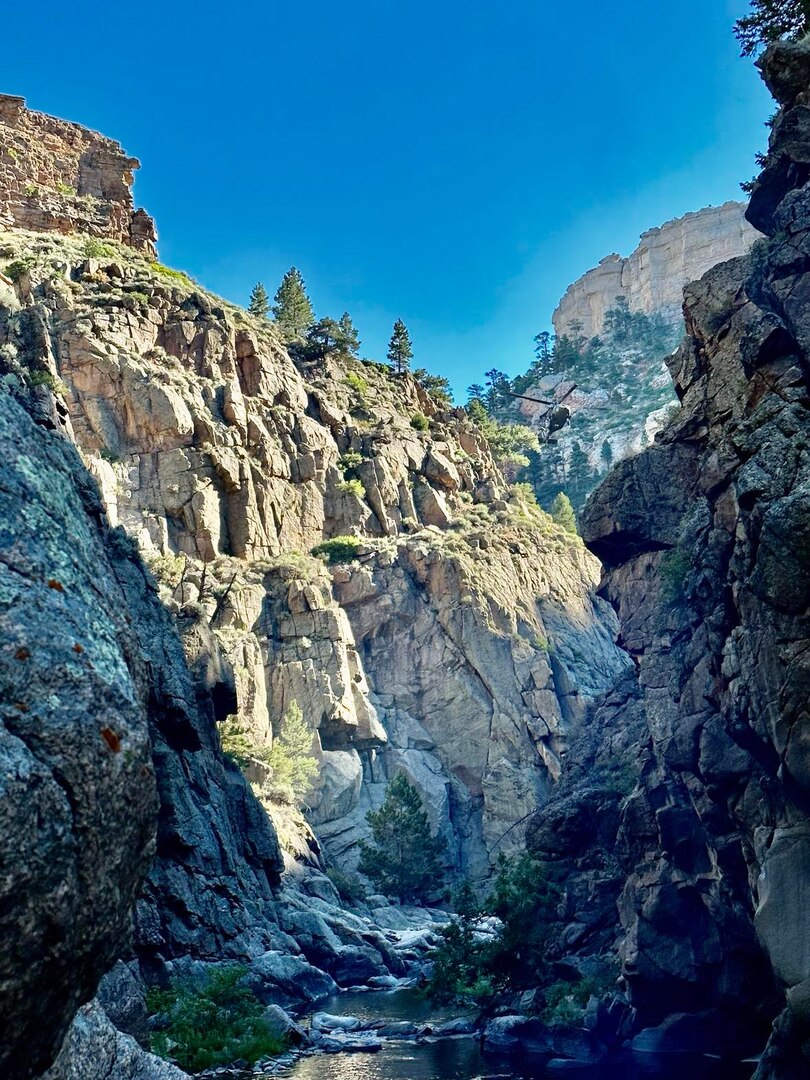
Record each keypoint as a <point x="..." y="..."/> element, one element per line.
<point x="212" y="1023"/>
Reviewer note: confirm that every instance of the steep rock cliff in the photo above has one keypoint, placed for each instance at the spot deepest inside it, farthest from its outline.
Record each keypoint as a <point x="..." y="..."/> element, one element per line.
<point x="78" y="800"/>
<point x="225" y="456"/>
<point x="59" y="176"/>
<point x="652" y="278"/>
<point x="461" y="641"/>
<point x="706" y="538"/>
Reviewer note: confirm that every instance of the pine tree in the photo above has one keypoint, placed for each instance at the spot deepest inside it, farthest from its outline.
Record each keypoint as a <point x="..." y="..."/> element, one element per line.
<point x="579" y="474"/>
<point x="404" y="860"/>
<point x="400" y="350"/>
<point x="292" y="309"/>
<point x="323" y="337"/>
<point x="606" y="454"/>
<point x="436" y="385"/>
<point x="259" y="301"/>
<point x="348" y="341"/>
<point x="771" y="20"/>
<point x="291" y="759"/>
<point x="563" y="512"/>
<point x="475" y="392"/>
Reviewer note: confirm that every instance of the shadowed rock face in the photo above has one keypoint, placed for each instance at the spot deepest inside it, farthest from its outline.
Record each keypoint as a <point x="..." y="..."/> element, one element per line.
<point x="706" y="541"/>
<point x="77" y="786"/>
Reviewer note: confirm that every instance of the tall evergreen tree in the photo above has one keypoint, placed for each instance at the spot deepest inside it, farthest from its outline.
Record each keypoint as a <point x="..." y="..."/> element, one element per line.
<point x="400" y="349"/>
<point x="497" y="392"/>
<point x="348" y="340"/>
<point x="770" y="20"/>
<point x="563" y="512"/>
<point x="475" y="392"/>
<point x="404" y="859"/>
<point x="259" y="301"/>
<point x="292" y="309"/>
<point x="606" y="454"/>
<point x="579" y="474"/>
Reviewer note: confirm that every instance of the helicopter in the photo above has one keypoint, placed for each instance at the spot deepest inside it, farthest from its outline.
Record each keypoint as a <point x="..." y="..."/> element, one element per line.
<point x="556" y="415"/>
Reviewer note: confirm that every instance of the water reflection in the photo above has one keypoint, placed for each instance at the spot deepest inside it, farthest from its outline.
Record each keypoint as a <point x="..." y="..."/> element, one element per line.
<point x="461" y="1059"/>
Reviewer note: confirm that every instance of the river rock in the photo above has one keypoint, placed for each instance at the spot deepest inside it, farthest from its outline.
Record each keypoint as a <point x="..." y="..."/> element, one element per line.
<point x="517" y="1034"/>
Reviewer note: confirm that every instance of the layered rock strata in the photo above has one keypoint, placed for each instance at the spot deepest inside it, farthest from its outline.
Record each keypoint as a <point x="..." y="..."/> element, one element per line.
<point x="60" y="177"/>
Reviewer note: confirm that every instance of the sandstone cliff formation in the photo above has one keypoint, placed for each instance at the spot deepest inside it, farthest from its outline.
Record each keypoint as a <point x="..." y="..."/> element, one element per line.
<point x="706" y="538"/>
<point x="653" y="277"/>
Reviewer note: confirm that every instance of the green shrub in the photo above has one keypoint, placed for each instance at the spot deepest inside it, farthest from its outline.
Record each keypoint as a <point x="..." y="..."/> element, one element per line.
<point x="31" y="190"/>
<point x="15" y="270"/>
<point x="292" y="764"/>
<point x="93" y="248"/>
<point x="339" y="549"/>
<point x="215" y="1023"/>
<point x="65" y="189"/>
<point x="673" y="568"/>
<point x="135" y="299"/>
<point x="291" y="759"/>
<point x="173" y="275"/>
<point x="350" y="460"/>
<point x="357" y="383"/>
<point x="419" y="422"/>
<point x="349" y="887"/>
<point x="353" y="487"/>
<point x="237" y="744"/>
<point x="566" y="1000"/>
<point x="403" y="859"/>
<point x="524" y="899"/>
<point x="525" y="492"/>
<point x="563" y="513"/>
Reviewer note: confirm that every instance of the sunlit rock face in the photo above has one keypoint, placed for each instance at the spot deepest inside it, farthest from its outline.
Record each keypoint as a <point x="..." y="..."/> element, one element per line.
<point x="706" y="541"/>
<point x="652" y="279"/>
<point x="463" y="641"/>
<point x="61" y="177"/>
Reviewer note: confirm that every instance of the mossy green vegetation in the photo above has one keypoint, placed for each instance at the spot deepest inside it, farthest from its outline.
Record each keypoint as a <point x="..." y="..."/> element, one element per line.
<point x="419" y="422"/>
<point x="214" y="1022"/>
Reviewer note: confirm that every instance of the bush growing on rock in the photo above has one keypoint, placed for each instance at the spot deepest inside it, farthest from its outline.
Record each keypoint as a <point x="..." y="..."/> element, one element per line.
<point x="419" y="422"/>
<point x="404" y="859"/>
<point x="339" y="549"/>
<point x="770" y="20"/>
<point x="215" y="1023"/>
<point x="290" y="759"/>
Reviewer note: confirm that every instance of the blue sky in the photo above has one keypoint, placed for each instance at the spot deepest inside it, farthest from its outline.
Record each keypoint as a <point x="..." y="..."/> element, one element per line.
<point x="455" y="164"/>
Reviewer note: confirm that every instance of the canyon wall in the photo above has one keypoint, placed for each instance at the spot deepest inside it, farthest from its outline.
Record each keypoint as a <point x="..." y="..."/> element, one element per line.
<point x="706" y="541"/>
<point x="457" y="638"/>
<point x="652" y="278"/>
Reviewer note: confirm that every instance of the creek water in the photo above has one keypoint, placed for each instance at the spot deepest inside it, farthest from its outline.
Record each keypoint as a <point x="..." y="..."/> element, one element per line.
<point x="462" y="1058"/>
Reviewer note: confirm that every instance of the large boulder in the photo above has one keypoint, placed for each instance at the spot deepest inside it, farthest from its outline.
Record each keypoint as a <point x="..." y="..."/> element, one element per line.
<point x="77" y="786"/>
